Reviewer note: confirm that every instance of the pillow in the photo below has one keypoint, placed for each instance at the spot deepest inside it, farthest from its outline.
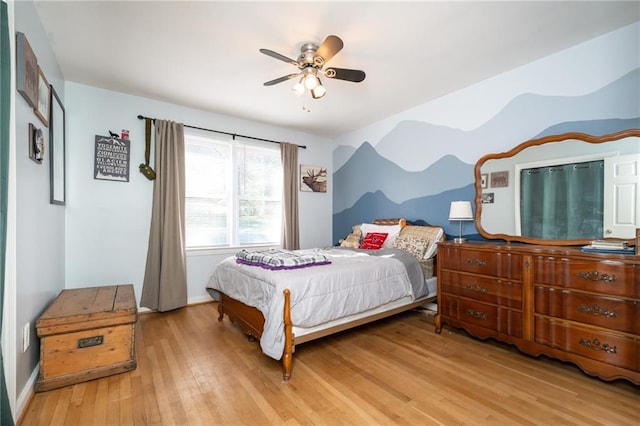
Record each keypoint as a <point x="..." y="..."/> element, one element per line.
<point x="434" y="234"/>
<point x="427" y="268"/>
<point x="391" y="230"/>
<point x="416" y="246"/>
<point x="373" y="241"/>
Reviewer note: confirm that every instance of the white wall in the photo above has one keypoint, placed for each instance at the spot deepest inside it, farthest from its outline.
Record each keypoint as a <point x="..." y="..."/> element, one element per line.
<point x="108" y="222"/>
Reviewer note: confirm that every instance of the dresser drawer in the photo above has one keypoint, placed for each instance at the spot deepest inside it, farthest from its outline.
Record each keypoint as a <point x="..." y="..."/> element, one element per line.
<point x="609" y="312"/>
<point x="608" y="277"/>
<point x="498" y="264"/>
<point x="493" y="290"/>
<point x="608" y="347"/>
<point x="502" y="320"/>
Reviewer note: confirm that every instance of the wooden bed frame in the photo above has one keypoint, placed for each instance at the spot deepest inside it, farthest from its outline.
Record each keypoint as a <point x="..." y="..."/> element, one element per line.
<point x="251" y="321"/>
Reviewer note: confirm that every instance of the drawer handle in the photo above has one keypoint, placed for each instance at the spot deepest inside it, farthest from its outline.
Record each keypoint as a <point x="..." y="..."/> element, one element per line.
<point x="597" y="346"/>
<point x="87" y="342"/>
<point x="477" y="314"/>
<point x="476" y="287"/>
<point x="596" y="276"/>
<point x="597" y="310"/>
<point x="476" y="261"/>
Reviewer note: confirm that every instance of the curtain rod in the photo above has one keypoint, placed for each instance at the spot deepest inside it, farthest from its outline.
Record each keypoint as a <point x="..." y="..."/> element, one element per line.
<point x="142" y="117"/>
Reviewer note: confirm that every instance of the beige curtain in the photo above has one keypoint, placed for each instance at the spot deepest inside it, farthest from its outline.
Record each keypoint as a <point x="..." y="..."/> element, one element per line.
<point x="165" y="277"/>
<point x="290" y="234"/>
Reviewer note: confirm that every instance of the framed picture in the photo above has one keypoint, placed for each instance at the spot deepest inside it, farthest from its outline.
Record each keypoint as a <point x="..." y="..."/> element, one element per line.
<point x="111" y="161"/>
<point x="57" y="150"/>
<point x="26" y="70"/>
<point x="44" y="99"/>
<point x="484" y="181"/>
<point x="487" y="198"/>
<point x="313" y="178"/>
<point x="36" y="144"/>
<point x="500" y="179"/>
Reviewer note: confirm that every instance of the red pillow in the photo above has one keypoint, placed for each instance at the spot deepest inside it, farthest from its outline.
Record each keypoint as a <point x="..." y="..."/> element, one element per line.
<point x="373" y="240"/>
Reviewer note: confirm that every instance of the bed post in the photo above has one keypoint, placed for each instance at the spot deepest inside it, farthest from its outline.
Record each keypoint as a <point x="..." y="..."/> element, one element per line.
<point x="220" y="310"/>
<point x="287" y="356"/>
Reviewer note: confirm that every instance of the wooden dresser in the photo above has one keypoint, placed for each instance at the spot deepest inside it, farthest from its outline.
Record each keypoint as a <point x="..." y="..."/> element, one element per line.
<point x="552" y="300"/>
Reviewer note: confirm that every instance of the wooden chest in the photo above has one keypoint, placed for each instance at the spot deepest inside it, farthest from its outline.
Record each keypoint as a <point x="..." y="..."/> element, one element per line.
<point x="86" y="334"/>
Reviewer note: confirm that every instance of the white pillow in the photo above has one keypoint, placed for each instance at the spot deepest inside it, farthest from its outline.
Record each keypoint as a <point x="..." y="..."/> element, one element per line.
<point x="392" y="230"/>
<point x="431" y="250"/>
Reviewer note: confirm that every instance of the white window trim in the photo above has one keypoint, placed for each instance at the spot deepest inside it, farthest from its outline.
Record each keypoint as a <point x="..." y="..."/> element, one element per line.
<point x="233" y="230"/>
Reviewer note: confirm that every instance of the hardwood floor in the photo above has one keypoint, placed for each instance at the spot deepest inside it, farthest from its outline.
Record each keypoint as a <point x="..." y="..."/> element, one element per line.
<point x="194" y="370"/>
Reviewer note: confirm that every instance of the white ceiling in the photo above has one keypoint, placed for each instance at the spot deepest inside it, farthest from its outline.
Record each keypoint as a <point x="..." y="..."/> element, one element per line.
<point x="205" y="54"/>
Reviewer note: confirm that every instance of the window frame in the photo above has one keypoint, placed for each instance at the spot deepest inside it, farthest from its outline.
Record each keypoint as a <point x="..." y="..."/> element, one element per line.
<point x="233" y="195"/>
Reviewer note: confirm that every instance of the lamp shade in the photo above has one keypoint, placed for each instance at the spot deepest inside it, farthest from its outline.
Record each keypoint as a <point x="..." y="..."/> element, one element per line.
<point x="460" y="210"/>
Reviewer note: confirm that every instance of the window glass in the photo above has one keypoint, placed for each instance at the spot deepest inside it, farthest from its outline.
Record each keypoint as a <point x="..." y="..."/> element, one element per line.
<point x="233" y="193"/>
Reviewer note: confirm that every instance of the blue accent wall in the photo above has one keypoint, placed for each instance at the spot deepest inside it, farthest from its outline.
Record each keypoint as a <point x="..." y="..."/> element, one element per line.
<point x="417" y="167"/>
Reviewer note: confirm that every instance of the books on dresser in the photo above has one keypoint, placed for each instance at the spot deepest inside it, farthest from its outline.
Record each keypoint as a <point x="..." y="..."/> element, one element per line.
<point x="606" y="246"/>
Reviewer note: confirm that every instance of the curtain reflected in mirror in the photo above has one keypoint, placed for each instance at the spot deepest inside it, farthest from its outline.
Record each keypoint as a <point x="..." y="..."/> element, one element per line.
<point x="562" y="201"/>
<point x="57" y="150"/>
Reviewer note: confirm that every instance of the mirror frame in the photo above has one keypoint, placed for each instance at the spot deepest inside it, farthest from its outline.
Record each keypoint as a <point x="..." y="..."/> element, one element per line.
<point x="534" y="142"/>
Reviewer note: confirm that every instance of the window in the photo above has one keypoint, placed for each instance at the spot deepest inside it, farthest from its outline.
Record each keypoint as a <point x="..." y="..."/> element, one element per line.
<point x="233" y="192"/>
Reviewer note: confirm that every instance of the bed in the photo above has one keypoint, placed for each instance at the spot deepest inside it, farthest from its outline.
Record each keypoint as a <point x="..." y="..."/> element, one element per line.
<point x="333" y="289"/>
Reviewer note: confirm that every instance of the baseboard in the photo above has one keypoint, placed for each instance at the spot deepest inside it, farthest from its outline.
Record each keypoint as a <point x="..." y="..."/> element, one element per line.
<point x="192" y="301"/>
<point x="27" y="394"/>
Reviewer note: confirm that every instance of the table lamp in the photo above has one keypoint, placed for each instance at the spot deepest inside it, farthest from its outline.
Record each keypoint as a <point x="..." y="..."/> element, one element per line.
<point x="460" y="211"/>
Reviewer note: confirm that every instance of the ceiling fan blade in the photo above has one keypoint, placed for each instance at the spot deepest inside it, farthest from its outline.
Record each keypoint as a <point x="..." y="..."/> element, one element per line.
<point x="280" y="80"/>
<point x="345" y="74"/>
<point x="329" y="47"/>
<point x="278" y="56"/>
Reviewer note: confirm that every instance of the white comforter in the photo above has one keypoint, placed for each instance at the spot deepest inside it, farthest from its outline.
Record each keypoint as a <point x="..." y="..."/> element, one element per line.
<point x="354" y="282"/>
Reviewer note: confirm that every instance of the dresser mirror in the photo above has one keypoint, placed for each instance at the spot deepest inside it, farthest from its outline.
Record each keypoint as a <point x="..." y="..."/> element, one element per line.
<point x="566" y="189"/>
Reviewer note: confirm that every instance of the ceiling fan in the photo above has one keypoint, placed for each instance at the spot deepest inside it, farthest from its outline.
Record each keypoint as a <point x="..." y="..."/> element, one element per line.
<point x="311" y="62"/>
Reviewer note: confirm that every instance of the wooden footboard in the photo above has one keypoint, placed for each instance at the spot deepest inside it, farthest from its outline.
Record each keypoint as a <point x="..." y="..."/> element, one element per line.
<point x="251" y="321"/>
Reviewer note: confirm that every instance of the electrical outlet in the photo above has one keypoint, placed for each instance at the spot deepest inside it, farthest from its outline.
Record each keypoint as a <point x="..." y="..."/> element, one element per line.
<point x="26" y="337"/>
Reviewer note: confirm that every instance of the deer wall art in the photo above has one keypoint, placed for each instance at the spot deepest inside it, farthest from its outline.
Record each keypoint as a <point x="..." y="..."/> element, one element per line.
<point x="314" y="178"/>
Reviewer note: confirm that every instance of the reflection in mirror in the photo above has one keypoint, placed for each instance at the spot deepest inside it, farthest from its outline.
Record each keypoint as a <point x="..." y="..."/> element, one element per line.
<point x="57" y="150"/>
<point x="563" y="189"/>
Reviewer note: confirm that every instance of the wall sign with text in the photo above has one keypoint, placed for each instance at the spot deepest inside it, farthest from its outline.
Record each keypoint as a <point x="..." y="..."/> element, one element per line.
<point x="111" y="159"/>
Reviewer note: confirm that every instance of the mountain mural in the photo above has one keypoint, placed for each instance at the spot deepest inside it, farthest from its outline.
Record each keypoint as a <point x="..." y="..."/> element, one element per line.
<point x="593" y="127"/>
<point x="417" y="168"/>
<point x="367" y="171"/>
<point x="432" y="209"/>
<point x="614" y="101"/>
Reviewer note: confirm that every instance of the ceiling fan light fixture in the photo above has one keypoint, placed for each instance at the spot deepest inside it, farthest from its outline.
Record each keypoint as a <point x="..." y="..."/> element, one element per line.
<point x="310" y="64"/>
<point x="298" y="88"/>
<point x="318" y="91"/>
<point x="311" y="81"/>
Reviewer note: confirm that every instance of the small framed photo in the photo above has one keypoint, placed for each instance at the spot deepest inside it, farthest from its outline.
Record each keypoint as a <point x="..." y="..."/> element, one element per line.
<point x="487" y="198"/>
<point x="44" y="99"/>
<point x="484" y="181"/>
<point x="36" y="144"/>
<point x="313" y="178"/>
<point x="500" y="179"/>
